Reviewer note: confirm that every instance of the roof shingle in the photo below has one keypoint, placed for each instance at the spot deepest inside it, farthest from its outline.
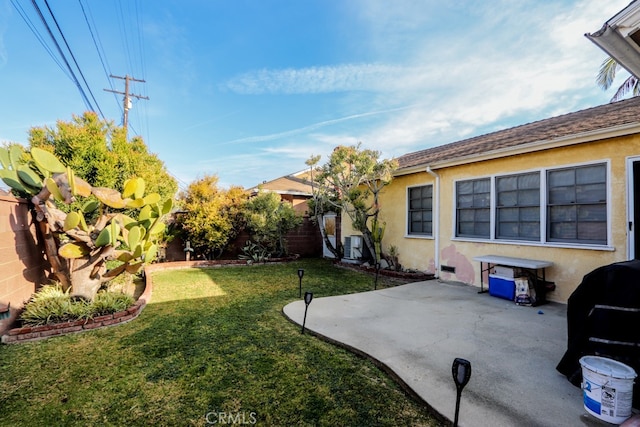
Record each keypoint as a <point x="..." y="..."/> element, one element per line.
<point x="589" y="120"/>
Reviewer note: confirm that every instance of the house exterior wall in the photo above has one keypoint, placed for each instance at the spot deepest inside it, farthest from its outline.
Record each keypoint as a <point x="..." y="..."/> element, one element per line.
<point x="571" y="261"/>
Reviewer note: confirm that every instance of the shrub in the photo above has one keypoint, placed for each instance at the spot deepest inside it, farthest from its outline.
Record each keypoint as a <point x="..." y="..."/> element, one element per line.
<point x="53" y="305"/>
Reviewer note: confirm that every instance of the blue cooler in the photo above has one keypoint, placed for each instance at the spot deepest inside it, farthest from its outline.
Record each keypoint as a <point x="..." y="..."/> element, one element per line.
<point x="502" y="287"/>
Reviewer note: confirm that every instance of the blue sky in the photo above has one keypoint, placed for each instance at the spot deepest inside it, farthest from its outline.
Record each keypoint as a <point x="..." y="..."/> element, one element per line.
<point x="250" y="89"/>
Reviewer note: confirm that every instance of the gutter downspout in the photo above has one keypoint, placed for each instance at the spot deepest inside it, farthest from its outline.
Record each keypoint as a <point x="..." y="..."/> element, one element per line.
<point x="436" y="221"/>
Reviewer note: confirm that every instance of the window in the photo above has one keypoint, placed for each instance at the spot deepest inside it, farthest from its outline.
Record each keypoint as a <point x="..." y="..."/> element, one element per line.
<point x="566" y="205"/>
<point x="473" y="215"/>
<point x="577" y="204"/>
<point x="518" y="207"/>
<point x="421" y="210"/>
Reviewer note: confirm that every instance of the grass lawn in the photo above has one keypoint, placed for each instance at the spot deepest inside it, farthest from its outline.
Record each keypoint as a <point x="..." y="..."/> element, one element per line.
<point x="212" y="347"/>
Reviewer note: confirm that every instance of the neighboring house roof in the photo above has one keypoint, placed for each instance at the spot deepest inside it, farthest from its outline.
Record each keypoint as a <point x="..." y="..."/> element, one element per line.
<point x="293" y="184"/>
<point x="610" y="120"/>
<point x="620" y="39"/>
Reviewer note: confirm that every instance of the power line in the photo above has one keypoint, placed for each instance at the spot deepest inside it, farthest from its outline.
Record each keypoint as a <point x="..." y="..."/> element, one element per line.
<point x="25" y="17"/>
<point x="73" y="57"/>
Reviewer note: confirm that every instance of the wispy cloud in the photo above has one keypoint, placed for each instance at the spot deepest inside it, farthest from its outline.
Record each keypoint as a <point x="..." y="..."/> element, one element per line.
<point x="324" y="79"/>
<point x="310" y="128"/>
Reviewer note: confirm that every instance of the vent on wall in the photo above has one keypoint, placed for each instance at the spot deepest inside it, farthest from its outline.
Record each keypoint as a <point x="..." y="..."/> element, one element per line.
<point x="448" y="268"/>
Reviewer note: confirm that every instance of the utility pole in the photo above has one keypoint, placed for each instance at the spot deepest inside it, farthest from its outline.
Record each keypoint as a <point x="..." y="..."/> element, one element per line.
<point x="127" y="98"/>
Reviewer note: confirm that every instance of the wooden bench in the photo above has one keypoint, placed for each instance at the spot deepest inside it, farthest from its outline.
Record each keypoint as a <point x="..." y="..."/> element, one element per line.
<point x="526" y="264"/>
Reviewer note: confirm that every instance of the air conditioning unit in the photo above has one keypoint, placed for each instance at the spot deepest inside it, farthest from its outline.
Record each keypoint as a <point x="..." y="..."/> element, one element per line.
<point x="355" y="251"/>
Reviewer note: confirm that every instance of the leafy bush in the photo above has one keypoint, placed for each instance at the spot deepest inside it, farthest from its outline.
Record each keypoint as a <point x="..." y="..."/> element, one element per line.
<point x="53" y="305"/>
<point x="111" y="302"/>
<point x="254" y="252"/>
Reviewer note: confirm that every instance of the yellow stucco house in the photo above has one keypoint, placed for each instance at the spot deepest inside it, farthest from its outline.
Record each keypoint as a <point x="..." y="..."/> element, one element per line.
<point x="564" y="190"/>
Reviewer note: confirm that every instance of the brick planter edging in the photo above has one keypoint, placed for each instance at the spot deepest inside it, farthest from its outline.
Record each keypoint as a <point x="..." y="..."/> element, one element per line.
<point x="36" y="333"/>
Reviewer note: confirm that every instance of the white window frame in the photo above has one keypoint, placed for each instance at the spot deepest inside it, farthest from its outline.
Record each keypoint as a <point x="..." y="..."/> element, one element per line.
<point x="543" y="209"/>
<point x="407" y="227"/>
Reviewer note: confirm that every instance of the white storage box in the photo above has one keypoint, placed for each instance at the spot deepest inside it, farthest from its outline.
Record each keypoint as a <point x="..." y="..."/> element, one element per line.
<point x="507" y="272"/>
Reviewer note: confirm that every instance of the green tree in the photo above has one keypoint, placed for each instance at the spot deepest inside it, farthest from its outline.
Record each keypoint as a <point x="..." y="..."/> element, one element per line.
<point x="212" y="217"/>
<point x="269" y="219"/>
<point x="324" y="200"/>
<point x="352" y="180"/>
<point x="99" y="153"/>
<point x="606" y="76"/>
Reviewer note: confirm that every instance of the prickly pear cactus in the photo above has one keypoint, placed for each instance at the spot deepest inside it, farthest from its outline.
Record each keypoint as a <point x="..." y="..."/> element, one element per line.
<point x="78" y="249"/>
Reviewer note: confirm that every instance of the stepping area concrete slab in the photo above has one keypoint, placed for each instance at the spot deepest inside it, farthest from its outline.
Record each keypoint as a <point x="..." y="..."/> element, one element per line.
<point x="417" y="330"/>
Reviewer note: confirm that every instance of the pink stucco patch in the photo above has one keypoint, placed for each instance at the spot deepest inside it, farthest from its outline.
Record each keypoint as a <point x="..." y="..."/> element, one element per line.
<point x="464" y="269"/>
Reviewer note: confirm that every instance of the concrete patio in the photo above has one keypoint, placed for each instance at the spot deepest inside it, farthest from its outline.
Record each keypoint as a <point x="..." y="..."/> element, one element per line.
<point x="416" y="331"/>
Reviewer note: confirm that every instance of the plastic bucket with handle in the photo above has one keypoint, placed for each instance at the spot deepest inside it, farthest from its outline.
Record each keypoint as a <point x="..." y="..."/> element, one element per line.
<point x="607" y="387"/>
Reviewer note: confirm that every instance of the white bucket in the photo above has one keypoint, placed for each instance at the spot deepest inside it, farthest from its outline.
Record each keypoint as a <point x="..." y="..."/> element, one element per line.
<point x="607" y="387"/>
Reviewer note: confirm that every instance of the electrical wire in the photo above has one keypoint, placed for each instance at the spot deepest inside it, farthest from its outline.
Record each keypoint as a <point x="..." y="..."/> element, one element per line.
<point x="97" y="43"/>
<point x="25" y="17"/>
<point x="74" y="59"/>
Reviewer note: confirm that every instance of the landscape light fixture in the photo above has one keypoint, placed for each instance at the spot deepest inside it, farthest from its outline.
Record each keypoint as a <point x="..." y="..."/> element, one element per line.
<point x="308" y="296"/>
<point x="461" y="370"/>
<point x="300" y="275"/>
<point x="375" y="285"/>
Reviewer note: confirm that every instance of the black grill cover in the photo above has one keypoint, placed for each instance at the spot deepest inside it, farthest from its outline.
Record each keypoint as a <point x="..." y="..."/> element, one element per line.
<point x="603" y="319"/>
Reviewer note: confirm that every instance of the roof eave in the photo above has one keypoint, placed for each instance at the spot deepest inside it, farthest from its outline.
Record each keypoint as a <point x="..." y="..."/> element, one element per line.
<point x="614" y="38"/>
<point x="580" y="138"/>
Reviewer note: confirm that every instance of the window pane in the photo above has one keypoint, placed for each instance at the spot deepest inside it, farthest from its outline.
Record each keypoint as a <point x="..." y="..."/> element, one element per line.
<point x="466" y="215"/>
<point x="588" y="213"/>
<point x="593" y="231"/>
<point x="562" y="213"/>
<point x="481" y="186"/>
<point x="591" y="193"/>
<point x="529" y="197"/>
<point x="420" y="209"/>
<point x="562" y="178"/>
<point x="578" y="210"/>
<point x="481" y="200"/>
<point x="465" y="187"/>
<point x="465" y="201"/>
<point x="561" y="195"/>
<point x="591" y="174"/>
<point x="465" y="229"/>
<point x="529" y="181"/>
<point x="482" y="215"/>
<point x="518" y="213"/>
<point x="530" y="230"/>
<point x="508" y="214"/>
<point x="563" y="231"/>
<point x="507" y="183"/>
<point x="508" y="230"/>
<point x="508" y="198"/>
<point x="482" y="229"/>
<point x="473" y="199"/>
<point x="530" y="214"/>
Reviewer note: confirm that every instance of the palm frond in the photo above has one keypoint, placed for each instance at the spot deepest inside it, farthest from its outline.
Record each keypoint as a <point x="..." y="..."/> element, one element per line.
<point x="607" y="73"/>
<point x="629" y="86"/>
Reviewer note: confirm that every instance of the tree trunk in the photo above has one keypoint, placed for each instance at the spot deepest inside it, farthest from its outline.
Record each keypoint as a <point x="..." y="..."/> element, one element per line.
<point x="85" y="284"/>
<point x="59" y="265"/>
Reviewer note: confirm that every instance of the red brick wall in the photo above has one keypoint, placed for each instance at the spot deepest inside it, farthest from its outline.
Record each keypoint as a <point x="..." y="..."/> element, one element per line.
<point x="22" y="263"/>
<point x="305" y="241"/>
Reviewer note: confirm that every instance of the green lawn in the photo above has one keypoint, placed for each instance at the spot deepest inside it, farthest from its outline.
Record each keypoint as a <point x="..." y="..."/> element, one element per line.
<point x="211" y="347"/>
